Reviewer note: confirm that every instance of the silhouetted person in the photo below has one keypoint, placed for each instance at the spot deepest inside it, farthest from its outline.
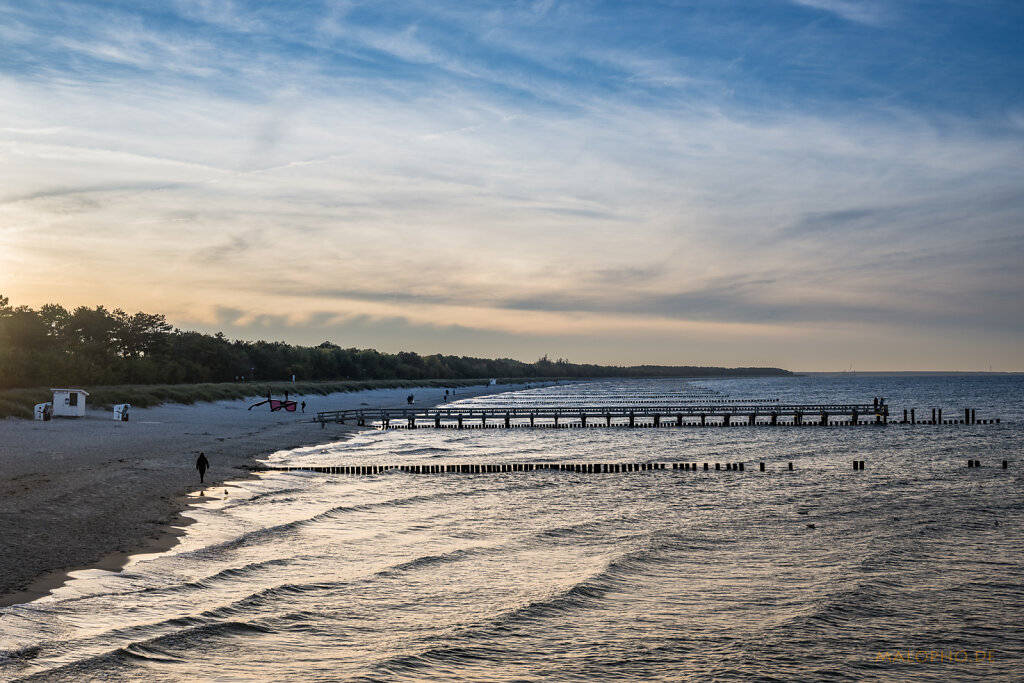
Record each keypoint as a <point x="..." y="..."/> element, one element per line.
<point x="303" y="406"/>
<point x="409" y="399"/>
<point x="202" y="464"/>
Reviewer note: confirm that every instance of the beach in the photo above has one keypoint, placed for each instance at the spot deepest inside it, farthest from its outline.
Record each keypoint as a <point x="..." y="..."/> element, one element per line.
<point x="90" y="492"/>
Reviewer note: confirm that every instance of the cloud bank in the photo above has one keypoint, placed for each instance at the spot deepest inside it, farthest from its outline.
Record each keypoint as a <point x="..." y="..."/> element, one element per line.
<point x="808" y="184"/>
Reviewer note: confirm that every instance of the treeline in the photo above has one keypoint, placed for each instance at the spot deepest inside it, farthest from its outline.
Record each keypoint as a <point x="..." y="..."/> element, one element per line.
<point x="93" y="346"/>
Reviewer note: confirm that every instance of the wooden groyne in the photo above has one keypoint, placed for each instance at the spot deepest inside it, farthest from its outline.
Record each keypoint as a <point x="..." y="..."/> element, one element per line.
<point x="583" y="468"/>
<point x="636" y="416"/>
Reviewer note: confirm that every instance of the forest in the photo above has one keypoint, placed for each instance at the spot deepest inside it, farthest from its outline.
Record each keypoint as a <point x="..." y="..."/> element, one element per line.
<point x="96" y="346"/>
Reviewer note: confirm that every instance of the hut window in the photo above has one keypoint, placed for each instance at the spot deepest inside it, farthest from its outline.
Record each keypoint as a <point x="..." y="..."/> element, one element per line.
<point x="73" y="399"/>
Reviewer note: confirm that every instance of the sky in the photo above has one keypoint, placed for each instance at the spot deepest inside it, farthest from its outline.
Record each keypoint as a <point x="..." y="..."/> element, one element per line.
<point x="808" y="184"/>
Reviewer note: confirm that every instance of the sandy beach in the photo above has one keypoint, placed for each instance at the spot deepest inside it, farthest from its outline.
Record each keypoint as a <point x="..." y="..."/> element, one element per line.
<point x="89" y="492"/>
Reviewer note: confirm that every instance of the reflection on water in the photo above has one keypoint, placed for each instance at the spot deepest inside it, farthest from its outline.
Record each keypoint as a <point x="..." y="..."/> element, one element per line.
<point x="659" y="574"/>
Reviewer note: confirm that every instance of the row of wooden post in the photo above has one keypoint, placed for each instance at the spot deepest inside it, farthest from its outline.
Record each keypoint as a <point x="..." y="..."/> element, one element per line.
<point x="596" y="468"/>
<point x="474" y="468"/>
<point x="970" y="418"/>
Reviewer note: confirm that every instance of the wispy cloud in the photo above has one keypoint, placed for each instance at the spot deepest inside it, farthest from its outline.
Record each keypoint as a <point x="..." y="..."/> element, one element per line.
<point x="861" y="11"/>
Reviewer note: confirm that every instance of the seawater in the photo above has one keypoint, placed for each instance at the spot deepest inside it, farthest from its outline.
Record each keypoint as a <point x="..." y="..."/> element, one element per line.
<point x="821" y="573"/>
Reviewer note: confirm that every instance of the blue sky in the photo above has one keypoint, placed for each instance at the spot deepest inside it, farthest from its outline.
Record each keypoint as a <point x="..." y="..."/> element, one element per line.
<point x="812" y="184"/>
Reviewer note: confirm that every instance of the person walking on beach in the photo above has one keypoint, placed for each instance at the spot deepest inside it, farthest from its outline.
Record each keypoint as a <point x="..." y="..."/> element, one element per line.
<point x="303" y="406"/>
<point x="202" y="464"/>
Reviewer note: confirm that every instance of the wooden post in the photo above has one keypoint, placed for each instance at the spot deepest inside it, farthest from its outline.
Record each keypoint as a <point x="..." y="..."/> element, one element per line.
<point x="703" y="419"/>
<point x="1005" y="464"/>
<point x="940" y="417"/>
<point x="790" y="467"/>
<point x="705" y="467"/>
<point x="508" y="421"/>
<point x="913" y="419"/>
<point x="632" y="419"/>
<point x="775" y="418"/>
<point x="762" y="467"/>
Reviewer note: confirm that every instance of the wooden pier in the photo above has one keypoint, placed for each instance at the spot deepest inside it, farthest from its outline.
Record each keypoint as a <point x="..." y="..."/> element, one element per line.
<point x="584" y="416"/>
<point x="639" y="414"/>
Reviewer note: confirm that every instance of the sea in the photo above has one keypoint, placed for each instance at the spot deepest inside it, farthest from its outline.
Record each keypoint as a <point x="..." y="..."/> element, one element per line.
<point x="911" y="569"/>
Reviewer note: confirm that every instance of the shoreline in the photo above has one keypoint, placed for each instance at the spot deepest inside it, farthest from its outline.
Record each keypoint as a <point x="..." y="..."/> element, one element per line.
<point x="114" y="562"/>
<point x="91" y="494"/>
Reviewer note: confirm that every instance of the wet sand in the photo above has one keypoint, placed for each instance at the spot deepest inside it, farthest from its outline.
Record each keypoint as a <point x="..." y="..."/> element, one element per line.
<point x="90" y="492"/>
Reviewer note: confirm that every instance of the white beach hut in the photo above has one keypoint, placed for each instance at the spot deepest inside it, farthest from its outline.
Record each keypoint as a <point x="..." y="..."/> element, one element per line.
<point x="69" y="402"/>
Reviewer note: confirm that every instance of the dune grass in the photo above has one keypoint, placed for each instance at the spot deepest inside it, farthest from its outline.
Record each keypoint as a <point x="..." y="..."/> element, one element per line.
<point x="19" y="402"/>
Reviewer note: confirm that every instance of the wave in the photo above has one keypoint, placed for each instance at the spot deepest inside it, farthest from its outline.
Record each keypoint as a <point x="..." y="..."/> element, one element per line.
<point x="268" y="494"/>
<point x="469" y="644"/>
<point x="26" y="653"/>
<point x="272" y="533"/>
<point x="423" y="450"/>
<point x="231" y="573"/>
<point x="440" y="559"/>
<point x="151" y="649"/>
